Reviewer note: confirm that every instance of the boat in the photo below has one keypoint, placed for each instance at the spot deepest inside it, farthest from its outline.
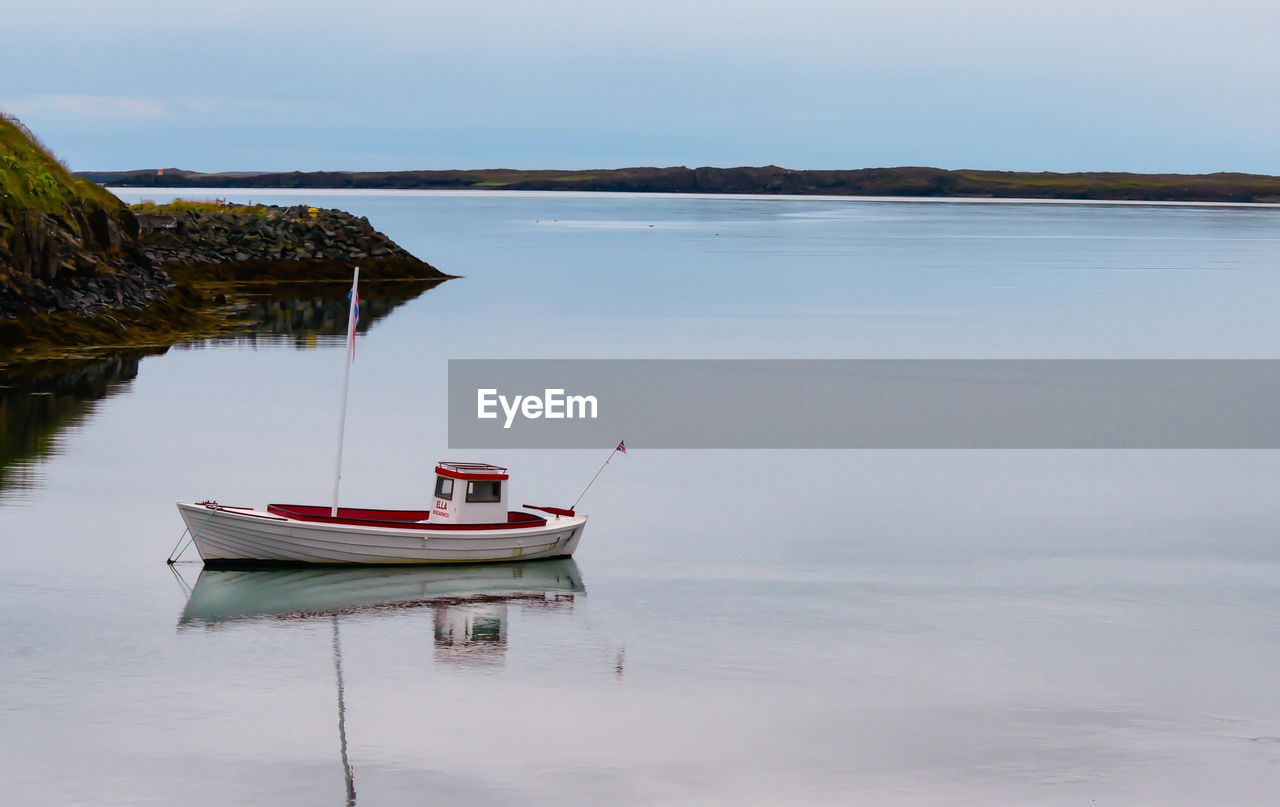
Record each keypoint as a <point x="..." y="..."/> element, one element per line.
<point x="469" y="521"/>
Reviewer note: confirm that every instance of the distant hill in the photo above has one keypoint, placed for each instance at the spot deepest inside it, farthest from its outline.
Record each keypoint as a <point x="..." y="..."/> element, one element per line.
<point x="770" y="179"/>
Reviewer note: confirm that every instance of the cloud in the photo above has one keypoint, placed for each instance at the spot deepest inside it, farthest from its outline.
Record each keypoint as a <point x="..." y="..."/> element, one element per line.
<point x="87" y="106"/>
<point x="87" y="109"/>
<point x="1069" y="85"/>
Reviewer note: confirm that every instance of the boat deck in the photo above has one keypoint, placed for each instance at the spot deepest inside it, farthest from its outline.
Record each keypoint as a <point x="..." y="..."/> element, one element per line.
<point x="403" y="519"/>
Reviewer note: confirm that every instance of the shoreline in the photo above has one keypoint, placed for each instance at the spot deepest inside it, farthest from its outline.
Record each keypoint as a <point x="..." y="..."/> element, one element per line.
<point x="196" y="309"/>
<point x="770" y="180"/>
<point x="218" y="263"/>
<point x="259" y="194"/>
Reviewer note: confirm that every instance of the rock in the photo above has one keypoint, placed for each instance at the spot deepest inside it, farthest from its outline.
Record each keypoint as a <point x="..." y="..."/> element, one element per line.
<point x="264" y="233"/>
<point x="106" y="232"/>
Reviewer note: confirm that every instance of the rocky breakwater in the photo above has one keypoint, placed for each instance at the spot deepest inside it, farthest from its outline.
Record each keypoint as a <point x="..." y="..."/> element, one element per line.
<point x="213" y="241"/>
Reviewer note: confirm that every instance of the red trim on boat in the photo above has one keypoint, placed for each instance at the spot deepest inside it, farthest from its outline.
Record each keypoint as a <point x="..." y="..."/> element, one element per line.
<point x="352" y="513"/>
<point x="555" y="511"/>
<point x="472" y="467"/>
<point x="452" y="474"/>
<point x="400" y="519"/>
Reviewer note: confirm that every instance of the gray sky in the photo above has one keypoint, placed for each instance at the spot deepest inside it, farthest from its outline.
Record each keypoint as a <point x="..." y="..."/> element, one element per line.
<point x="1079" y="85"/>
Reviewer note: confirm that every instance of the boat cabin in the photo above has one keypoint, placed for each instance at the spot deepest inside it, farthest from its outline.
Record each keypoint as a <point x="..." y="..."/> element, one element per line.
<point x="469" y="493"/>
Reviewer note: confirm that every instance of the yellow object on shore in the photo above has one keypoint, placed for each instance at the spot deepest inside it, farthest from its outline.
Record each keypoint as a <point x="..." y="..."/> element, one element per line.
<point x="312" y="212"/>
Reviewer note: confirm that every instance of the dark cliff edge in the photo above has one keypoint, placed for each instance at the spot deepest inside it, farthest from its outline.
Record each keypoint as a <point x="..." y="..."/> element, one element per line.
<point x="80" y="270"/>
<point x="65" y="243"/>
<point x="770" y="179"/>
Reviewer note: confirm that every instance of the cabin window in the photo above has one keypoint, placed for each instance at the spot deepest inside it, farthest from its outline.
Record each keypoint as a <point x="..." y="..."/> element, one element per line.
<point x="485" y="491"/>
<point x="444" y="487"/>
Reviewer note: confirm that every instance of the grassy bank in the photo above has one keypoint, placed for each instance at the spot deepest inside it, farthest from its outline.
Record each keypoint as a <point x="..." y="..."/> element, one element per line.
<point x="31" y="179"/>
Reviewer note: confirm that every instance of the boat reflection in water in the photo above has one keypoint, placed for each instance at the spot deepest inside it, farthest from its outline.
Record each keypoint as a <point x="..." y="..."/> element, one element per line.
<point x="468" y="603"/>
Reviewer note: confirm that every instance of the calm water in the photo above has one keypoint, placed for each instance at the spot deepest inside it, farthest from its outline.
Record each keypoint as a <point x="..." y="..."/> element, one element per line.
<point x="905" y="628"/>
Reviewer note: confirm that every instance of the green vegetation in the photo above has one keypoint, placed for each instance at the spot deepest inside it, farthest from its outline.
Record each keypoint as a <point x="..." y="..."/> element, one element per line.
<point x="31" y="179"/>
<point x="184" y="312"/>
<point x="575" y="178"/>
<point x="147" y="206"/>
<point x="1023" y="180"/>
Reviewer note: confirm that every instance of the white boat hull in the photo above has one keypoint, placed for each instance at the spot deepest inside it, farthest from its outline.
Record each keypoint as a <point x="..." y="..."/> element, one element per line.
<point x="243" y="535"/>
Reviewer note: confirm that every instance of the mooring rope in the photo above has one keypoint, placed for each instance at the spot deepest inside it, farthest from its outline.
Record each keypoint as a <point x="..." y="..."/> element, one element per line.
<point x="177" y="553"/>
<point x="186" y="589"/>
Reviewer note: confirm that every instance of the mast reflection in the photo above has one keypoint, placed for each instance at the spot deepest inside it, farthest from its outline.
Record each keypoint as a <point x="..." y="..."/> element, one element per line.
<point x="469" y="605"/>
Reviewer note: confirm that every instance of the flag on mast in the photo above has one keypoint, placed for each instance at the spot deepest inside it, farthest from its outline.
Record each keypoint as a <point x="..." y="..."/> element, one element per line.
<point x="622" y="447"/>
<point x="354" y="297"/>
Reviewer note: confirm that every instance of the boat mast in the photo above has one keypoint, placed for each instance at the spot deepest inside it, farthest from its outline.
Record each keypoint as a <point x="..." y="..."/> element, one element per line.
<point x="346" y="379"/>
<point x="621" y="448"/>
